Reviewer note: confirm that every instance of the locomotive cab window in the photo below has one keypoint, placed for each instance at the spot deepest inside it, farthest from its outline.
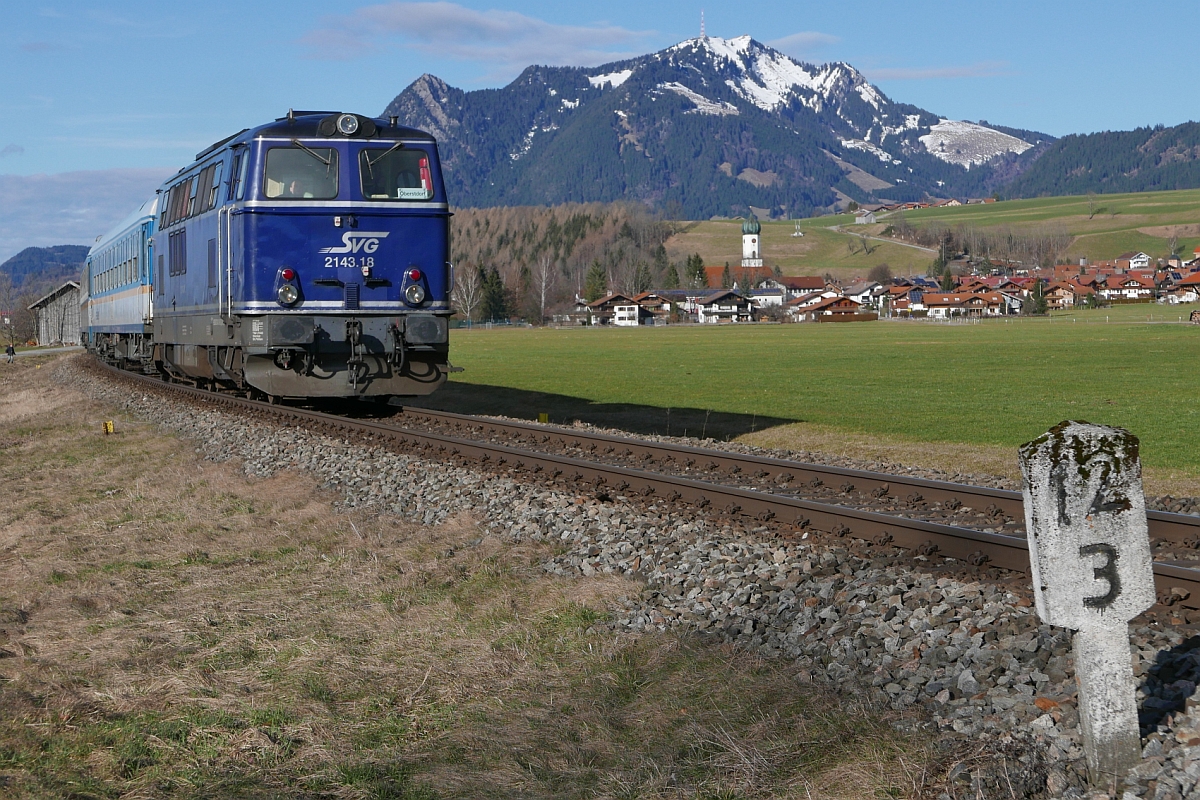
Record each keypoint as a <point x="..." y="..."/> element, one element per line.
<point x="301" y="173"/>
<point x="395" y="173"/>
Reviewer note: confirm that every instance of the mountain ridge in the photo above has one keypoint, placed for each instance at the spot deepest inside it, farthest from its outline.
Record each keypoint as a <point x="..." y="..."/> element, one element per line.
<point x="691" y="129"/>
<point x="717" y="127"/>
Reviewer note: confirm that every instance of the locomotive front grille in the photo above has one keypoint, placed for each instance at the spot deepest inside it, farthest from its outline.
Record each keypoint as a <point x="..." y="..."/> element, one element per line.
<point x="350" y="299"/>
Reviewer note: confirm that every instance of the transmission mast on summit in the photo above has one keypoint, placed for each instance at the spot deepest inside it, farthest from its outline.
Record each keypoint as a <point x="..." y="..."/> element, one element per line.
<point x="702" y="34"/>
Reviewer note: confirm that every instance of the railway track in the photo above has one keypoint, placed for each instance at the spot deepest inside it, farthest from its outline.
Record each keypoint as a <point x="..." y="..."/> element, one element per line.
<point x="883" y="509"/>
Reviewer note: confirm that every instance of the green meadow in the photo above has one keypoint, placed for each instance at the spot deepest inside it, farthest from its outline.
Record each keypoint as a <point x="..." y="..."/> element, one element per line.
<point x="999" y="382"/>
<point x="1101" y="227"/>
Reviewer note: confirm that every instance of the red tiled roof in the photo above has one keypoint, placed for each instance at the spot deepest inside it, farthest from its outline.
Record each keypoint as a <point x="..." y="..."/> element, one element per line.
<point x="740" y="275"/>
<point x="802" y="282"/>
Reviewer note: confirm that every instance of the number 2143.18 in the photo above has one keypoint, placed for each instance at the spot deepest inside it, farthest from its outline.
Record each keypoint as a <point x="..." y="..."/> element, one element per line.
<point x="350" y="262"/>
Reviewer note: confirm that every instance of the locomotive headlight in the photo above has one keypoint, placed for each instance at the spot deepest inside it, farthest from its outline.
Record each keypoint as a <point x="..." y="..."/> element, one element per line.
<point x="347" y="124"/>
<point x="414" y="294"/>
<point x="288" y="294"/>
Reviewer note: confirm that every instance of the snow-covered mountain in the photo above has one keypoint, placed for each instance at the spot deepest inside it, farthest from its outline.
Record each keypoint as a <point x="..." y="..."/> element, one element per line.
<point x="708" y="126"/>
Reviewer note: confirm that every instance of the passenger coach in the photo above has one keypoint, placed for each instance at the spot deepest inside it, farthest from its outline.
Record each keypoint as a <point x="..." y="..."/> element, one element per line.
<point x="308" y="257"/>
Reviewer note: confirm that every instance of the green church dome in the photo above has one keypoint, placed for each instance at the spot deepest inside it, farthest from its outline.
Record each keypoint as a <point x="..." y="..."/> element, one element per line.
<point x="751" y="226"/>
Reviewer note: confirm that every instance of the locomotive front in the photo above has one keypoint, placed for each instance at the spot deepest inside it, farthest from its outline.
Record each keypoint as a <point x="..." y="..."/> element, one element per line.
<point x="345" y="259"/>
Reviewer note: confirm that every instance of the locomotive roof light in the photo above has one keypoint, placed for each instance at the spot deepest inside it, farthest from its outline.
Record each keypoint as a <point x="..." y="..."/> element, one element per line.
<point x="415" y="294"/>
<point x="288" y="294"/>
<point x="347" y="124"/>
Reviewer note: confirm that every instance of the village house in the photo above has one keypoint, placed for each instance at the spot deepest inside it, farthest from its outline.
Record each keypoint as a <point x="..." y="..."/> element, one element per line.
<point x="1126" y="287"/>
<point x="617" y="309"/>
<point x="658" y="305"/>
<point x="862" y="293"/>
<point x="1131" y="260"/>
<point x="1185" y="290"/>
<point x="1062" y="295"/>
<point x="765" y="298"/>
<point x="826" y="308"/>
<point x="862" y="217"/>
<point x="945" y="305"/>
<point x="724" y="306"/>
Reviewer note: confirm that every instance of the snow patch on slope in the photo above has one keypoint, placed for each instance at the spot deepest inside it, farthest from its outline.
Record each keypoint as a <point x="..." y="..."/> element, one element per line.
<point x="878" y="152"/>
<point x="770" y="78"/>
<point x="614" y="78"/>
<point x="967" y="144"/>
<point x="702" y="103"/>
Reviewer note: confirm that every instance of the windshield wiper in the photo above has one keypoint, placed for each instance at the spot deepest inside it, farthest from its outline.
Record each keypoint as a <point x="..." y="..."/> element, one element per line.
<point x="373" y="161"/>
<point x="312" y="152"/>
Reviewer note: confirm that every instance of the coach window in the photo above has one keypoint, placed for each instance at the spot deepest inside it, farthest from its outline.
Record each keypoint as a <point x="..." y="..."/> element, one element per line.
<point x="394" y="173"/>
<point x="301" y="173"/>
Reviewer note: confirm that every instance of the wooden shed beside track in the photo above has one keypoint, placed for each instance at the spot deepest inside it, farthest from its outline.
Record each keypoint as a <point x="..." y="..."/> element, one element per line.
<point x="56" y="316"/>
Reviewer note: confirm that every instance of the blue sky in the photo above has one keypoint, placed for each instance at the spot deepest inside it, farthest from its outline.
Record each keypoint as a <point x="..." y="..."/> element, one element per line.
<point x="145" y="85"/>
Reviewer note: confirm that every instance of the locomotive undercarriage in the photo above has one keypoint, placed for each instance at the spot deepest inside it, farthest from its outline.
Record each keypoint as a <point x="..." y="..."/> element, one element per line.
<point x="291" y="356"/>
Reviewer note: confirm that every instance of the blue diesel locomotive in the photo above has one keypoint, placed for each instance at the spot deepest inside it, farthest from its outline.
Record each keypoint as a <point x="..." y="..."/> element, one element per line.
<point x="308" y="257"/>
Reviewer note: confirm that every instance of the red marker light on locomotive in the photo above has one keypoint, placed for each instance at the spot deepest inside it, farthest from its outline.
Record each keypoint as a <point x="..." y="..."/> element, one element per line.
<point x="414" y="274"/>
<point x="288" y="274"/>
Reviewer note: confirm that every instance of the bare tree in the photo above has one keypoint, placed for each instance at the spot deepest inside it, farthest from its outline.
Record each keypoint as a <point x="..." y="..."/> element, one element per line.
<point x="544" y="277"/>
<point x="468" y="292"/>
<point x="1091" y="201"/>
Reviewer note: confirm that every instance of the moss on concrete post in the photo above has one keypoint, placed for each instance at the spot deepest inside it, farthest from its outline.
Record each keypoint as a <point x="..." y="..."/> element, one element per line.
<point x="1089" y="552"/>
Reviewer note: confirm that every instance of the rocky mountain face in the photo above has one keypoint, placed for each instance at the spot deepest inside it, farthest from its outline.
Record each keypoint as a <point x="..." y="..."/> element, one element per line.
<point x="708" y="127"/>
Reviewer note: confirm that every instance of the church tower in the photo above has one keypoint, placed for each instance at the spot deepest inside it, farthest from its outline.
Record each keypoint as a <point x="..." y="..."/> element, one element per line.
<point x="751" y="242"/>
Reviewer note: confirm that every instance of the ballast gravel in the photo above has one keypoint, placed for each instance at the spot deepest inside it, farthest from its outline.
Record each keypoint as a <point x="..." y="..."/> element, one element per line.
<point x="968" y="658"/>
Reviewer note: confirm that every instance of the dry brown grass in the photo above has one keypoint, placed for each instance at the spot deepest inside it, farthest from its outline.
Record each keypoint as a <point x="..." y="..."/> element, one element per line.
<point x="172" y="627"/>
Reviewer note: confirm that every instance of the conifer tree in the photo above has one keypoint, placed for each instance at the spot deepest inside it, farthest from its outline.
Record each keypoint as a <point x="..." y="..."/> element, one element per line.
<point x="670" y="278"/>
<point x="697" y="278"/>
<point x="595" y="284"/>
<point x="494" y="306"/>
<point x="642" y="279"/>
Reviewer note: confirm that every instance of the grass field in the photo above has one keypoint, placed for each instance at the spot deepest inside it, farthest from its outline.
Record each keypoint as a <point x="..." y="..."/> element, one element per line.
<point x="1121" y="222"/>
<point x="1118" y="223"/>
<point x="996" y="384"/>
<point x="819" y="251"/>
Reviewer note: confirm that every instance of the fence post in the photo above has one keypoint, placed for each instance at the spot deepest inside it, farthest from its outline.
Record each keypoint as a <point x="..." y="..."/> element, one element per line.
<point x="1089" y="553"/>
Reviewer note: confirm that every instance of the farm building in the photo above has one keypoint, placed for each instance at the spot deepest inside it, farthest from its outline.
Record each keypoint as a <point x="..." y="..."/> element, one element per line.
<point x="56" y="316"/>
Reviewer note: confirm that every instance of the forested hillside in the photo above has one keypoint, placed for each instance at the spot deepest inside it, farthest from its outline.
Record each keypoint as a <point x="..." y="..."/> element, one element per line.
<point x="1142" y="160"/>
<point x="526" y="260"/>
<point x="44" y="267"/>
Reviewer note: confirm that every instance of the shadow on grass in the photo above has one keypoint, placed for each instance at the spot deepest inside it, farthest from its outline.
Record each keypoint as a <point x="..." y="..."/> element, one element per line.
<point x="472" y="398"/>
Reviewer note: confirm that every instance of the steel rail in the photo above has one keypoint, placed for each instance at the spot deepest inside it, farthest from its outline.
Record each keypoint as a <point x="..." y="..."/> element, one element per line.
<point x="977" y="548"/>
<point x="1167" y="526"/>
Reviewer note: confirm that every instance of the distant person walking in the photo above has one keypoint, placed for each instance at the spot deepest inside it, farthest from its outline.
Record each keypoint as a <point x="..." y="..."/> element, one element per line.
<point x="11" y="352"/>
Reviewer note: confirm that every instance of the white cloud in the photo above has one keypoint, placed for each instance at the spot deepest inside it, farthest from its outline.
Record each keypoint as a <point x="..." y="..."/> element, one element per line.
<point x="500" y="38"/>
<point x="69" y="207"/>
<point x="804" y="42"/>
<point x="980" y="69"/>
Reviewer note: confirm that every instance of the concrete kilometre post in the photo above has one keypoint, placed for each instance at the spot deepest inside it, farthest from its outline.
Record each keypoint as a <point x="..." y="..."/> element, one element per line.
<point x="1089" y="552"/>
